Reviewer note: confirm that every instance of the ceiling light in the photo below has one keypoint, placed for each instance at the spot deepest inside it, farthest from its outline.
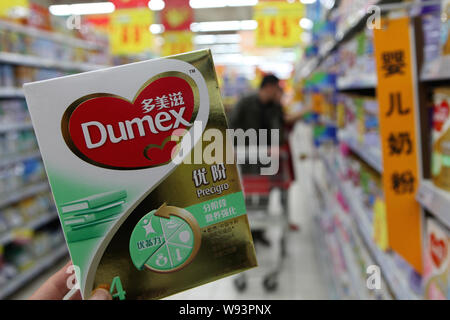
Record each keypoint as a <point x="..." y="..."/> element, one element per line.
<point x="156" y="5"/>
<point x="82" y="8"/>
<point x="208" y="39"/>
<point x="328" y="4"/>
<point x="202" y="4"/>
<point x="225" y="49"/>
<point x="217" y="26"/>
<point x="156" y="28"/>
<point x="242" y="3"/>
<point x="306" y="23"/>
<point x="249" y="24"/>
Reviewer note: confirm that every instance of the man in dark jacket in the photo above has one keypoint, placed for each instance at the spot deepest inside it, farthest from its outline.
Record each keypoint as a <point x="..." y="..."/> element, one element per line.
<point x="260" y="110"/>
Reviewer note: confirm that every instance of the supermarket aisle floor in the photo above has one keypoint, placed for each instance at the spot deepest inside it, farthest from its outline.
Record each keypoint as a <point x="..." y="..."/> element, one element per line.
<point x="299" y="279"/>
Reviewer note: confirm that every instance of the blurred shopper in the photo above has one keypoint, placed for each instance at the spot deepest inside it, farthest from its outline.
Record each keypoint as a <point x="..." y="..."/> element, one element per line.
<point x="259" y="110"/>
<point x="263" y="110"/>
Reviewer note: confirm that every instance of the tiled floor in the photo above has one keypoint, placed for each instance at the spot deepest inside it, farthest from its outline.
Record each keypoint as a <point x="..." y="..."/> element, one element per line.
<point x="299" y="278"/>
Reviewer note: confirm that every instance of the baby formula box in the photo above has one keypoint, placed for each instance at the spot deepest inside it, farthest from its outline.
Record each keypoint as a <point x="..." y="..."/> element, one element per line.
<point x="148" y="198"/>
<point x="441" y="139"/>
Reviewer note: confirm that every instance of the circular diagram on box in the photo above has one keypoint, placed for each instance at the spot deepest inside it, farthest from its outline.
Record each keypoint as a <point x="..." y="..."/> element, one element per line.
<point x="165" y="240"/>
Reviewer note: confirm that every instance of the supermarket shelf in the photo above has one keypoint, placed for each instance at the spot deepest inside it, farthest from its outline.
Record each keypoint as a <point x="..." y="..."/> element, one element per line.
<point x="438" y="70"/>
<point x="323" y="255"/>
<point x="360" y="83"/>
<point x="32" y="61"/>
<point x="369" y="156"/>
<point x="19" y="158"/>
<point x="356" y="233"/>
<point x="400" y="291"/>
<point x="33" y="225"/>
<point x="15" y="126"/>
<point x="40" y="266"/>
<point x="53" y="36"/>
<point x="325" y="264"/>
<point x="24" y="193"/>
<point x="369" y="257"/>
<point x="6" y="92"/>
<point x="341" y="38"/>
<point x="397" y="287"/>
<point x="347" y="251"/>
<point x="435" y="200"/>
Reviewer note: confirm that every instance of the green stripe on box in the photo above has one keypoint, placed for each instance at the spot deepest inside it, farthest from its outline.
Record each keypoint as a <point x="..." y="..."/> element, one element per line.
<point x="445" y="160"/>
<point x="218" y="209"/>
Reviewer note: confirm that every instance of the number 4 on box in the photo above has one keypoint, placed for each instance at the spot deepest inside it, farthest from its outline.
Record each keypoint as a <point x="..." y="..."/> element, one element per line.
<point x="116" y="285"/>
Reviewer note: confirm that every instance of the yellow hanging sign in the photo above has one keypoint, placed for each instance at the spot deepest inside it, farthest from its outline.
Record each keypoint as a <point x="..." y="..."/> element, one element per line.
<point x="129" y="31"/>
<point x="8" y="8"/>
<point x="176" y="42"/>
<point x="278" y="23"/>
<point x="399" y="137"/>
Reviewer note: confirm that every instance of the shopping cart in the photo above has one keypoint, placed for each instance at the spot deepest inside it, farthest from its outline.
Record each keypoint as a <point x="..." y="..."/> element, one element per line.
<point x="257" y="189"/>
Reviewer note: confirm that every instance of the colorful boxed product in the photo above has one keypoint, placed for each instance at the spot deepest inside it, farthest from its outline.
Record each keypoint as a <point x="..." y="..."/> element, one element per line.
<point x="436" y="261"/>
<point x="134" y="218"/>
<point x="440" y="168"/>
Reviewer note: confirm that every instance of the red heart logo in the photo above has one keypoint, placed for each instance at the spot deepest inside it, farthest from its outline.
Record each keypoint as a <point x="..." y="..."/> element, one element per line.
<point x="440" y="115"/>
<point x="111" y="132"/>
<point x="438" y="250"/>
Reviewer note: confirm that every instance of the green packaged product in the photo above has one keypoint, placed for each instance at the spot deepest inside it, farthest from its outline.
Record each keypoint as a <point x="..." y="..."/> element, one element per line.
<point x="135" y="219"/>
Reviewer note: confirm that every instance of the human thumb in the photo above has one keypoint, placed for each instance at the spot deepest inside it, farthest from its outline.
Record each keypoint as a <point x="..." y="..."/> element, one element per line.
<point x="100" y="294"/>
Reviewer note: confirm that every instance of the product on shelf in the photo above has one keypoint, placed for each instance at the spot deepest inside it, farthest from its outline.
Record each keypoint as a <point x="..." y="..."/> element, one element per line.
<point x="23" y="255"/>
<point x="7" y="76"/>
<point x="24" y="206"/>
<point x="445" y="29"/>
<point x="233" y="86"/>
<point x="25" y="211"/>
<point x="16" y="176"/>
<point x="361" y="121"/>
<point x="180" y="225"/>
<point x="350" y="11"/>
<point x="436" y="261"/>
<point x="15" y="143"/>
<point x="364" y="178"/>
<point x="13" y="111"/>
<point x="15" y="76"/>
<point x="431" y="26"/>
<point x="441" y="139"/>
<point x="7" y="270"/>
<point x="22" y="43"/>
<point x="350" y="258"/>
<point x="358" y="130"/>
<point x="356" y="61"/>
<point x="436" y="28"/>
